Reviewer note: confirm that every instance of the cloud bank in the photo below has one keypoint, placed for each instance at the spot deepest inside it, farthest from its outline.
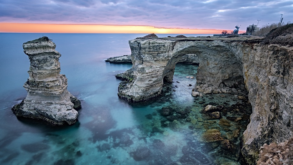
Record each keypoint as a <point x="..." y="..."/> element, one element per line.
<point x="212" y="14"/>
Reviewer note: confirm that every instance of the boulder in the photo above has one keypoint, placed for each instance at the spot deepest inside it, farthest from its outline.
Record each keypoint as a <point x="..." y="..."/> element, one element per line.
<point x="242" y="98"/>
<point x="210" y="108"/>
<point x="195" y="94"/>
<point x="215" y="115"/>
<point x="165" y="112"/>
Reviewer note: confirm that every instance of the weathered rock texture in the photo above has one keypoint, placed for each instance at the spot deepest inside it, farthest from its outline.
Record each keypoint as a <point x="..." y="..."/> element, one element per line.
<point x="149" y="36"/>
<point x="120" y="59"/>
<point x="226" y="65"/>
<point x="188" y="58"/>
<point x="276" y="154"/>
<point x="47" y="98"/>
<point x="154" y="61"/>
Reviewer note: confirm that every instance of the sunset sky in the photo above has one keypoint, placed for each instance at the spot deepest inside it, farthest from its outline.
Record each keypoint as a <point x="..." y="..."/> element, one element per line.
<point x="139" y="16"/>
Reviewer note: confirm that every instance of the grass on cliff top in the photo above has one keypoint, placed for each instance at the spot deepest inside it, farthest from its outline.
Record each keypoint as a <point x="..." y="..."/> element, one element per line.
<point x="45" y="38"/>
<point x="282" y="35"/>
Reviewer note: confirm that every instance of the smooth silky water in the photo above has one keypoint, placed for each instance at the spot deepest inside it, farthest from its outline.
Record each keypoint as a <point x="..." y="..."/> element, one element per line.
<point x="109" y="130"/>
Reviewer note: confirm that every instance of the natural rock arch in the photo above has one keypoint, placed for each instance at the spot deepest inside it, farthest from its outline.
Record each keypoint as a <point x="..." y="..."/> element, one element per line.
<point x="220" y="70"/>
<point x="264" y="69"/>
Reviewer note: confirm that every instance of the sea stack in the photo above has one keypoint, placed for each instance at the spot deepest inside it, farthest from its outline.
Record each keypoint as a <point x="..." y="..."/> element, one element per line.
<point x="47" y="98"/>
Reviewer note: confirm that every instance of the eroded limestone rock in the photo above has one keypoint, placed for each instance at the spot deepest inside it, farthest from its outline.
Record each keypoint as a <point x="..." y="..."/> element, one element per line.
<point x="188" y="59"/>
<point x="209" y="108"/>
<point x="149" y="36"/>
<point x="120" y="59"/>
<point x="154" y="62"/>
<point x="237" y="66"/>
<point x="195" y="94"/>
<point x="47" y="98"/>
<point x="277" y="154"/>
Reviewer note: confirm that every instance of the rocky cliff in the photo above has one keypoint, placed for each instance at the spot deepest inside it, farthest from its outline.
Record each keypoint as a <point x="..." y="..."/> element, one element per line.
<point x="241" y="66"/>
<point x="47" y="98"/>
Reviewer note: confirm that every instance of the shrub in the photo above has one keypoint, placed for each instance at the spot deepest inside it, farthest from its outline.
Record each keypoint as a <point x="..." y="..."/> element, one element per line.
<point x="282" y="35"/>
<point x="224" y="32"/>
<point x="266" y="29"/>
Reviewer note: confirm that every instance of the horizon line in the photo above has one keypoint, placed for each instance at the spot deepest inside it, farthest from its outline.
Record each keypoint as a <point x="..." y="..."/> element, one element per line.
<point x="8" y="27"/>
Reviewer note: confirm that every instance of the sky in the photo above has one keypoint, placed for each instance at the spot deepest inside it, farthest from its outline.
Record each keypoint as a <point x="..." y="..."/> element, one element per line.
<point x="161" y="16"/>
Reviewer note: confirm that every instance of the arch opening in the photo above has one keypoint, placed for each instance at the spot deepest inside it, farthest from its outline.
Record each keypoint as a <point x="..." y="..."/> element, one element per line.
<point x="219" y="71"/>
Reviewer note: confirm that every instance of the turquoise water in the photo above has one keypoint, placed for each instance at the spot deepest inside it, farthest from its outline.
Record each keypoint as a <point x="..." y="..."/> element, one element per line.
<point x="110" y="130"/>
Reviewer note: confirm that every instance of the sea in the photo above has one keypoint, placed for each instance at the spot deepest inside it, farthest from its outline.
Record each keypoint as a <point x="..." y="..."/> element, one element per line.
<point x="109" y="130"/>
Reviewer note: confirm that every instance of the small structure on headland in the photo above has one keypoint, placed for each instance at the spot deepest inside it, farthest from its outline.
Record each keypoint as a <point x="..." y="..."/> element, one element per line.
<point x="236" y="30"/>
<point x="251" y="28"/>
<point x="47" y="98"/>
<point x="232" y="34"/>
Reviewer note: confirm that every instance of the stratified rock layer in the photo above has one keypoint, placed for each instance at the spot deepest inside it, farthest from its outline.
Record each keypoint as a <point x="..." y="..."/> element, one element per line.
<point x="119" y="59"/>
<point x="154" y="62"/>
<point x="188" y="58"/>
<point x="47" y="98"/>
<point x="242" y="65"/>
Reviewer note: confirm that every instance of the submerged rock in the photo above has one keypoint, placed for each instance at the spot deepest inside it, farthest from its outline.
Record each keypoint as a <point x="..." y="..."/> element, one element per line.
<point x="64" y="162"/>
<point x="165" y="111"/>
<point x="215" y="115"/>
<point x="194" y="157"/>
<point x="125" y="140"/>
<point x="35" y="147"/>
<point x="224" y="123"/>
<point x="157" y="143"/>
<point x="47" y="98"/>
<point x="212" y="135"/>
<point x="210" y="108"/>
<point x="78" y="154"/>
<point x="141" y="153"/>
<point x="104" y="147"/>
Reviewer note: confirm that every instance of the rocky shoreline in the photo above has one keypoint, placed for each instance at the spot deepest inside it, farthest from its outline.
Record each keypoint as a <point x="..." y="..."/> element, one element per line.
<point x="47" y="99"/>
<point x="246" y="66"/>
<point x="223" y="127"/>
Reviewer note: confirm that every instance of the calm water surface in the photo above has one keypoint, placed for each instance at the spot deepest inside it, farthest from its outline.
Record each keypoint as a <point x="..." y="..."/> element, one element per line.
<point x="109" y="130"/>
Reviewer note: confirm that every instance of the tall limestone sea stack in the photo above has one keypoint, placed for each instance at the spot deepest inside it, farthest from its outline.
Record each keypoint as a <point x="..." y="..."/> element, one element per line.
<point x="47" y="98"/>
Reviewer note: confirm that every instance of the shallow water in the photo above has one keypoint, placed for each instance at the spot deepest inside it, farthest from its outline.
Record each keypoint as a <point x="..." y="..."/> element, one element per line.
<point x="109" y="130"/>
